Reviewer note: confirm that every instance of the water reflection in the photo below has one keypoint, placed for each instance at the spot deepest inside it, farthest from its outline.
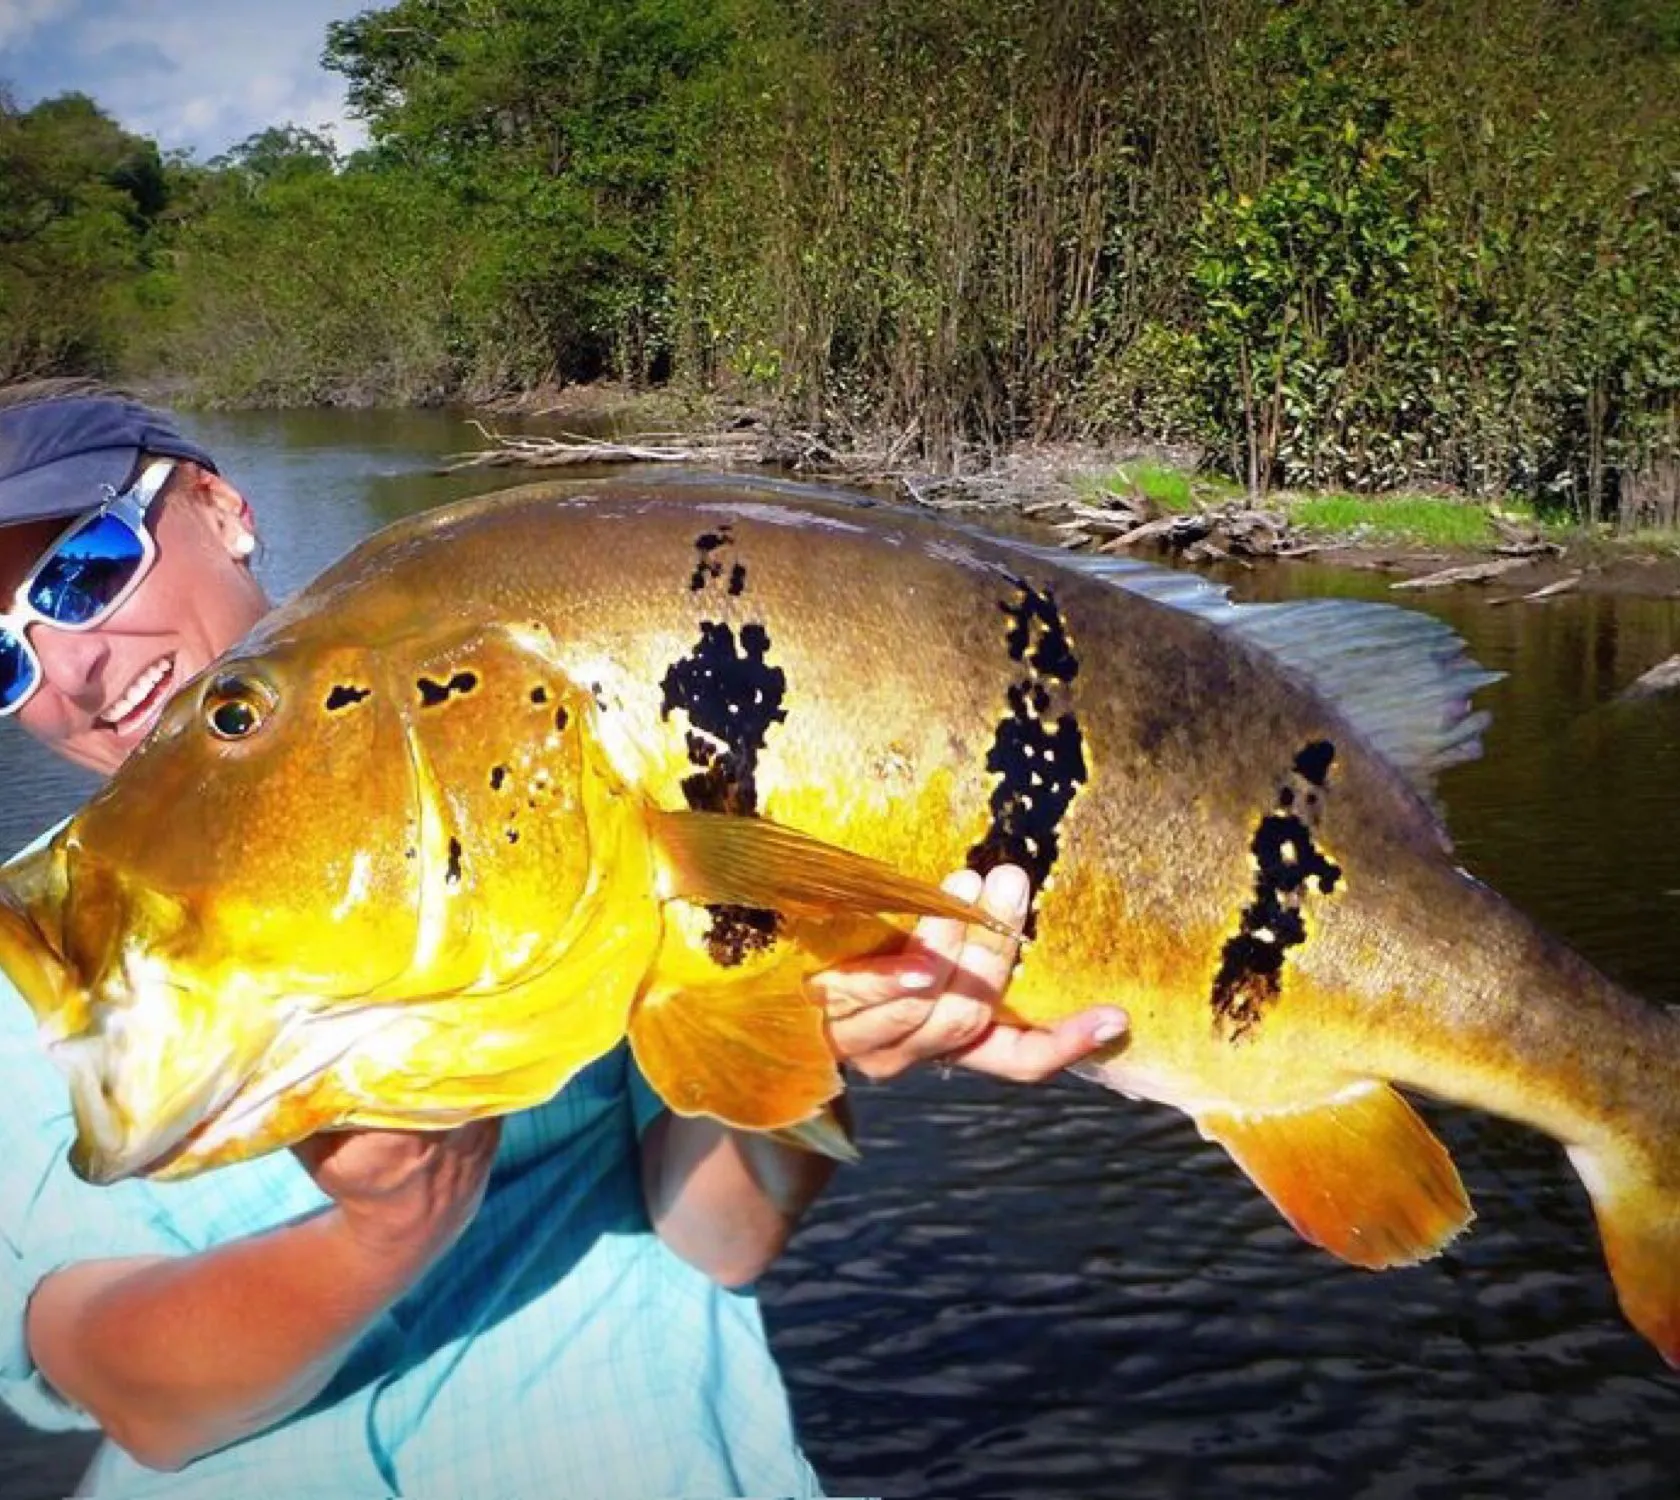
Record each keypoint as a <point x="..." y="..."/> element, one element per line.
<point x="1055" y="1293"/>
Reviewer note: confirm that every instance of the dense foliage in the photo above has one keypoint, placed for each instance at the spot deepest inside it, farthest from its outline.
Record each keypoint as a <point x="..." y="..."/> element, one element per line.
<point x="1354" y="242"/>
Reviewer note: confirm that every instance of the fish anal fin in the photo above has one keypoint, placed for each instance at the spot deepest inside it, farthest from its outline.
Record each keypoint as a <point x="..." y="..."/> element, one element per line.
<point x="752" y="1052"/>
<point x="822" y="1135"/>
<point x="1359" y="1174"/>
<point x="725" y="859"/>
<point x="1639" y="1222"/>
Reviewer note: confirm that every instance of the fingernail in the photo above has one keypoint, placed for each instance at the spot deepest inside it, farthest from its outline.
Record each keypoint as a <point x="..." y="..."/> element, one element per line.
<point x="917" y="979"/>
<point x="1110" y="1030"/>
<point x="1010" y="888"/>
<point x="965" y="885"/>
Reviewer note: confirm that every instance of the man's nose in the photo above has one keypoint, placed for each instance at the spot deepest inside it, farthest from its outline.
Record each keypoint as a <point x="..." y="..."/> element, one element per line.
<point x="72" y="661"/>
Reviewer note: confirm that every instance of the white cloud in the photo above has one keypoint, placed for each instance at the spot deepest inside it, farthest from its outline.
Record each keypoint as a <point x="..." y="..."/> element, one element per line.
<point x="18" y="18"/>
<point x="195" y="73"/>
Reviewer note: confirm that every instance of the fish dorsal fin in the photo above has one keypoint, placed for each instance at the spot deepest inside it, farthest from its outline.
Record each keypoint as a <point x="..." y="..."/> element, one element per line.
<point x="1402" y="679"/>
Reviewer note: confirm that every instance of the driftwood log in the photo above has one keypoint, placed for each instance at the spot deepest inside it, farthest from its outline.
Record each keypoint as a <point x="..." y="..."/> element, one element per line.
<point x="1468" y="573"/>
<point x="740" y="445"/>
<point x="1662" y="678"/>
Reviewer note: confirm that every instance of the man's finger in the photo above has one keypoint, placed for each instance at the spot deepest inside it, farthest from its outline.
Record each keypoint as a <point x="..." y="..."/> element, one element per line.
<point x="869" y="983"/>
<point x="940" y="939"/>
<point x="1024" y="1055"/>
<point x="987" y="958"/>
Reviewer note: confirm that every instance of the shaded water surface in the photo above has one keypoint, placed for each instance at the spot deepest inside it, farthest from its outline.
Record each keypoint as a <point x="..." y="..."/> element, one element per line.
<point x="1054" y="1292"/>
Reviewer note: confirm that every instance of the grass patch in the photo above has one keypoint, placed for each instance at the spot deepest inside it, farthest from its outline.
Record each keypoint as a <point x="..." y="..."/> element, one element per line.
<point x="1422" y="519"/>
<point x="1166" y="488"/>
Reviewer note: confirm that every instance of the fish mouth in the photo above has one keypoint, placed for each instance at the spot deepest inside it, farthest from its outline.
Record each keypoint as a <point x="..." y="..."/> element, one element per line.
<point x="107" y="1147"/>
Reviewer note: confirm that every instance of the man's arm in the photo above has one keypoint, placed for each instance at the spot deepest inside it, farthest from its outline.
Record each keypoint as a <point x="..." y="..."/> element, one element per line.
<point x="727" y="1201"/>
<point x="175" y="1357"/>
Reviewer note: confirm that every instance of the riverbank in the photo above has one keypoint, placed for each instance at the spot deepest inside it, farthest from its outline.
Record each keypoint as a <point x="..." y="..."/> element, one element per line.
<point x="1141" y="500"/>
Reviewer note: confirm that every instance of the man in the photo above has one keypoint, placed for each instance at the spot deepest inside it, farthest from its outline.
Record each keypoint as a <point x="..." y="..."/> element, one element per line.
<point x="549" y="1304"/>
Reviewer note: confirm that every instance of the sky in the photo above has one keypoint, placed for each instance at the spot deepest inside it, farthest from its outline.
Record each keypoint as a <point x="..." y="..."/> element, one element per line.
<point x="198" y="75"/>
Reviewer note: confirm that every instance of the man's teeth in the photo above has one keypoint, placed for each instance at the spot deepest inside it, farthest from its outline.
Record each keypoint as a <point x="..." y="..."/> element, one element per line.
<point x="138" y="692"/>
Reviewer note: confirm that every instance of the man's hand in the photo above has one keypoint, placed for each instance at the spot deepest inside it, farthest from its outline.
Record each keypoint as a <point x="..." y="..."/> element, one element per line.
<point x="404" y="1192"/>
<point x="936" y="999"/>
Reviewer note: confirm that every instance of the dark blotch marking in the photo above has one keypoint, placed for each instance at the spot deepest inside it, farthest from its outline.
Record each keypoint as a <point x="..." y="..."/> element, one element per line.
<point x="1038" y="634"/>
<point x="737" y="579"/>
<point x="1037" y="755"/>
<point x="732" y="696"/>
<point x="740" y="931"/>
<point x="452" y="876"/>
<point x="498" y="777"/>
<point x="433" y="692"/>
<point x="513" y="835"/>
<point x="1313" y="763"/>
<point x="539" y="695"/>
<point x="708" y="566"/>
<point x="561" y="718"/>
<point x="1289" y="865"/>
<point x="343" y="695"/>
<point x="731" y="693"/>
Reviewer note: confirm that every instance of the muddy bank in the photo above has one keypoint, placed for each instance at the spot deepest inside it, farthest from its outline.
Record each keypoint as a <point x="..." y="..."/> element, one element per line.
<point x="1067" y="493"/>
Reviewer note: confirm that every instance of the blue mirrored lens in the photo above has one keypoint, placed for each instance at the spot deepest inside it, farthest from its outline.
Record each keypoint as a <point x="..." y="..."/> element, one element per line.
<point x="17" y="670"/>
<point x="87" y="572"/>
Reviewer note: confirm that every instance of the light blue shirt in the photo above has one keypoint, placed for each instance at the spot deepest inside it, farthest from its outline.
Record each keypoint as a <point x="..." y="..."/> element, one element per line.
<point x="558" y="1350"/>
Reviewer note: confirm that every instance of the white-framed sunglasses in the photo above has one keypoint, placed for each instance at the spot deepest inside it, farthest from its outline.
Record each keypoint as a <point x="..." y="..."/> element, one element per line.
<point x="81" y="580"/>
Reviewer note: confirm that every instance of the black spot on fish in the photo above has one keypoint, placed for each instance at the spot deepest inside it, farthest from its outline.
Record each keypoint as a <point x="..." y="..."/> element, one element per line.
<point x="452" y="875"/>
<point x="433" y="692"/>
<point x="561" y="718"/>
<point x="1288" y="864"/>
<point x="342" y="696"/>
<point x="1313" y="762"/>
<point x="1037" y="753"/>
<point x="498" y="776"/>
<point x="513" y="835"/>
<point x="539" y="694"/>
<point x="709" y="567"/>
<point x="737" y="579"/>
<point x="737" y="932"/>
<point x="732" y="696"/>
<point x="1038" y="635"/>
<point x="411" y="852"/>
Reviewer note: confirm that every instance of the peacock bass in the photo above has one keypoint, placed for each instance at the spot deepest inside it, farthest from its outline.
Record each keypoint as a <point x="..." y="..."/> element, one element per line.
<point x="523" y="777"/>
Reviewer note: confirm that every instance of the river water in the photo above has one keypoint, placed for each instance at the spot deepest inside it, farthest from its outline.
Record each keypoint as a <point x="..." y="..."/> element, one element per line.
<point x="1053" y="1292"/>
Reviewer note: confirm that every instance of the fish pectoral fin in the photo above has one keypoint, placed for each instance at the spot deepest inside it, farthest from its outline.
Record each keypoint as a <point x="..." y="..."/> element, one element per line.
<point x="725" y="859"/>
<point x="1359" y="1175"/>
<point x="752" y="1053"/>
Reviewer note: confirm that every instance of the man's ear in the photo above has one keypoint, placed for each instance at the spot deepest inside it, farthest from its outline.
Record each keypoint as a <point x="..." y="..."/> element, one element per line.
<point x="226" y="511"/>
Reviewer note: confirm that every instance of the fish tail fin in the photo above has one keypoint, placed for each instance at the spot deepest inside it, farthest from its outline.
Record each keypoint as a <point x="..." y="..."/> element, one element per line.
<point x="1637" y="1201"/>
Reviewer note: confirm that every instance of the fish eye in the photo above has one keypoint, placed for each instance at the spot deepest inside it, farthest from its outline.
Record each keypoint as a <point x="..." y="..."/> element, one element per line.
<point x="236" y="707"/>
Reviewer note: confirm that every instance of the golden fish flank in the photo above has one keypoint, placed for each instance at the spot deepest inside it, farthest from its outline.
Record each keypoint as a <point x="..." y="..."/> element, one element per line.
<point x="522" y="778"/>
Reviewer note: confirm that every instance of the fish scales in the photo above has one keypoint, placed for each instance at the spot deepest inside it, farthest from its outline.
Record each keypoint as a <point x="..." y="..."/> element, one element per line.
<point x="1215" y="845"/>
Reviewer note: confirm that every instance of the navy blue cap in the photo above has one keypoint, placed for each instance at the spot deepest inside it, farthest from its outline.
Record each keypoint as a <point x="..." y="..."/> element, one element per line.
<point x="57" y="456"/>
